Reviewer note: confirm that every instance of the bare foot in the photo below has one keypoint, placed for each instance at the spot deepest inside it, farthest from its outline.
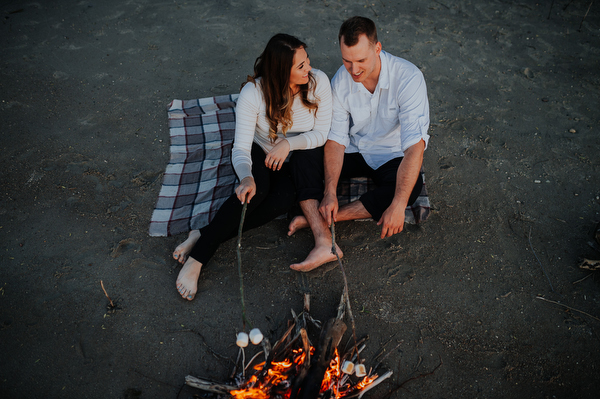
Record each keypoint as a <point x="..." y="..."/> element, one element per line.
<point x="297" y="223"/>
<point x="187" y="280"/>
<point x="318" y="256"/>
<point x="183" y="250"/>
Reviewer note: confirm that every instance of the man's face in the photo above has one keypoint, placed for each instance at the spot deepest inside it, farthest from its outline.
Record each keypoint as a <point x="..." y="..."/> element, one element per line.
<point x="362" y="59"/>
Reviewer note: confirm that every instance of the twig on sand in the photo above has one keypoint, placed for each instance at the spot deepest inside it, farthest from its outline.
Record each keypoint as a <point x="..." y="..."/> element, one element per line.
<point x="581" y="279"/>
<point x="389" y="394"/>
<point x="217" y="355"/>
<point x="586" y="14"/>
<point x="538" y="259"/>
<point x="386" y="355"/>
<point x="568" y="307"/>
<point x="442" y="4"/>
<point x="112" y="305"/>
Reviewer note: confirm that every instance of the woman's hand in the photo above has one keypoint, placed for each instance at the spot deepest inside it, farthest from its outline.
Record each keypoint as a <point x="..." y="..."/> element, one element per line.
<point x="275" y="158"/>
<point x="246" y="190"/>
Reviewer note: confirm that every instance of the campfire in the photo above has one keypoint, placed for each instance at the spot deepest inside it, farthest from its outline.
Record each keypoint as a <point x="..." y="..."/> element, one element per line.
<point x="295" y="368"/>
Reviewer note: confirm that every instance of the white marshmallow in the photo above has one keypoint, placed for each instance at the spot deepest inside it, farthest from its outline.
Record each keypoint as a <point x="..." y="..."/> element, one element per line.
<point x="360" y="370"/>
<point x="242" y="340"/>
<point x="256" y="336"/>
<point x="347" y="367"/>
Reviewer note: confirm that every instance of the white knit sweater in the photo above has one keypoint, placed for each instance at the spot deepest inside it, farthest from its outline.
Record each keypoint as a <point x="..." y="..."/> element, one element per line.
<point x="309" y="130"/>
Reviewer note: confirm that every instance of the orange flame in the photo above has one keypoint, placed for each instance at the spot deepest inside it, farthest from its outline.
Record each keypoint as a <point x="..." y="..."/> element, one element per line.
<point x="280" y="372"/>
<point x="365" y="382"/>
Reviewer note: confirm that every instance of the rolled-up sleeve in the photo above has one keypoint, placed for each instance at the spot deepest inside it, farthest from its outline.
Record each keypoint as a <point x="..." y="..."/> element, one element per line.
<point x="414" y="110"/>
<point x="340" y="122"/>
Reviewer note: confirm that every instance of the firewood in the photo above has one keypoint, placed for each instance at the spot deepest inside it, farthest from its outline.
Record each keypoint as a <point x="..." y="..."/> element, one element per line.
<point x="208" y="386"/>
<point x="330" y="338"/>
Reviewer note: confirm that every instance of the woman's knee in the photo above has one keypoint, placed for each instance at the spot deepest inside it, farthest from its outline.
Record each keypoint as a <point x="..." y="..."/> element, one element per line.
<point x="305" y="159"/>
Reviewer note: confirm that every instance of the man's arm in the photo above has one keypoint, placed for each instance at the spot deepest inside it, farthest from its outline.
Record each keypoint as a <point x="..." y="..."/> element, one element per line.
<point x="406" y="178"/>
<point x="333" y="160"/>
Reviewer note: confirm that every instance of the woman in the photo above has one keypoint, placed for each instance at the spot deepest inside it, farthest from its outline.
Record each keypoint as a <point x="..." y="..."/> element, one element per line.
<point x="285" y="106"/>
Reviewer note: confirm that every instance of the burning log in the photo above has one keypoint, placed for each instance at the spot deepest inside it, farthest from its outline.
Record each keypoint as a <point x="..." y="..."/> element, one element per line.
<point x="331" y="336"/>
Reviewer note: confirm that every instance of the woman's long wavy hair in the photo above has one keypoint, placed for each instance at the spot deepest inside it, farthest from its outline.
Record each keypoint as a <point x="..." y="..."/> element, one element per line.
<point x="273" y="66"/>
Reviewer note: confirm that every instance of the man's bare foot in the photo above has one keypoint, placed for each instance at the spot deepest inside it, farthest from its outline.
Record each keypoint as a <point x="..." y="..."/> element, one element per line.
<point x="187" y="280"/>
<point x="297" y="223"/>
<point x="183" y="250"/>
<point x="317" y="257"/>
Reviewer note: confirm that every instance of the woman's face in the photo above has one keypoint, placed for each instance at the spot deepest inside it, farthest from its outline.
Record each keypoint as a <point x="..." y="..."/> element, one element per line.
<point x="300" y="69"/>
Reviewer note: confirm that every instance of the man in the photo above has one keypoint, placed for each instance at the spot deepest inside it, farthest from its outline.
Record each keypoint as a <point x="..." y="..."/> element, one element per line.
<point x="379" y="130"/>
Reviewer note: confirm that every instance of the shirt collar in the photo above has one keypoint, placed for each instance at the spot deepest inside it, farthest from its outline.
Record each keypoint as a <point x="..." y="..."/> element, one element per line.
<point x="384" y="76"/>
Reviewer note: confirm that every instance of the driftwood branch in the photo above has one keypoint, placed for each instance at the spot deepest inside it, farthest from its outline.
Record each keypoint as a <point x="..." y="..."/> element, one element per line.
<point x="589" y="264"/>
<point x="208" y="386"/>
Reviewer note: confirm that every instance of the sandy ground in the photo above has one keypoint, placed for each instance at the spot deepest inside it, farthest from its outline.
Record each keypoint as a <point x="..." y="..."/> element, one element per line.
<point x="512" y="171"/>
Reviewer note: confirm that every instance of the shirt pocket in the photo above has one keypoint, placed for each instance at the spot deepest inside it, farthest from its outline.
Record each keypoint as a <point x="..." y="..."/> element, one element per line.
<point x="389" y="112"/>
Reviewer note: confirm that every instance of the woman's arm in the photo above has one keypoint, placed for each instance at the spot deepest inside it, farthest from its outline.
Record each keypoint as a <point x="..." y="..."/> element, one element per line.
<point x="246" y="114"/>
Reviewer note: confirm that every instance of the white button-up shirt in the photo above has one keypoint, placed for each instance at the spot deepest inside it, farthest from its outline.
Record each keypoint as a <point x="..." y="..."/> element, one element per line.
<point x="382" y="125"/>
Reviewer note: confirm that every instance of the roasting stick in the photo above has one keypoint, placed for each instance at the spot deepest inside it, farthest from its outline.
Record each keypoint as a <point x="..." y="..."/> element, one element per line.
<point x="345" y="294"/>
<point x="239" y="261"/>
<point x="241" y="275"/>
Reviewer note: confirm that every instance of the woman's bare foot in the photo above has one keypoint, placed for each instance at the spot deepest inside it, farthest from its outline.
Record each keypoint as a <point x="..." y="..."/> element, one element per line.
<point x="317" y="257"/>
<point x="297" y="223"/>
<point x="183" y="250"/>
<point x="187" y="280"/>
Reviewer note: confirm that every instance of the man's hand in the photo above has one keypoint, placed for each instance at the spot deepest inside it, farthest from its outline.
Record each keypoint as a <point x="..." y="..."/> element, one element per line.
<point x="392" y="221"/>
<point x="329" y="207"/>
<point x="275" y="158"/>
<point x="246" y="190"/>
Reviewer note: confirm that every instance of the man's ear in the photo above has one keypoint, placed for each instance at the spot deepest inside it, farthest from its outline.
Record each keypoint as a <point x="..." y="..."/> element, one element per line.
<point x="378" y="48"/>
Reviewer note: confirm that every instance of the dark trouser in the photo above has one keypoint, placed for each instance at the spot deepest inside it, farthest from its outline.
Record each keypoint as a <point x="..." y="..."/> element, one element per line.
<point x="275" y="195"/>
<point x="376" y="201"/>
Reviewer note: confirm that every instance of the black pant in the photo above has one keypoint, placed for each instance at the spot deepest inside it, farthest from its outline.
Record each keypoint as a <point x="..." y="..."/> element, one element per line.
<point x="375" y="201"/>
<point x="378" y="200"/>
<point x="275" y="195"/>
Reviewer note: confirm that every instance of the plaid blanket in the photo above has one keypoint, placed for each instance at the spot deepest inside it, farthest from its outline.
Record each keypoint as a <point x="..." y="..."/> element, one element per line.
<point x="200" y="177"/>
<point x="351" y="189"/>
